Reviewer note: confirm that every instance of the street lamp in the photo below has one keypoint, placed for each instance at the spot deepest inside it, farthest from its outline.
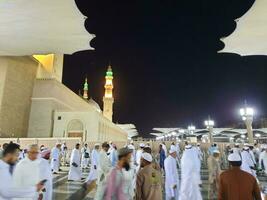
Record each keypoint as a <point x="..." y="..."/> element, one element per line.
<point x="247" y="114"/>
<point x="210" y="124"/>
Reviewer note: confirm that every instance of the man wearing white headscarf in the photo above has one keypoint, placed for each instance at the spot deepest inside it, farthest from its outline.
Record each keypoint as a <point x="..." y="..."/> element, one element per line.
<point x="171" y="175"/>
<point x="148" y="180"/>
<point x="47" y="174"/>
<point x="138" y="156"/>
<point x="263" y="159"/>
<point x="55" y="156"/>
<point x="131" y="146"/>
<point x="85" y="151"/>
<point x="75" y="173"/>
<point x="94" y="164"/>
<point x="190" y="176"/>
<point x="32" y="170"/>
<point x="214" y="173"/>
<point x="247" y="162"/>
<point x="103" y="168"/>
<point x="164" y="148"/>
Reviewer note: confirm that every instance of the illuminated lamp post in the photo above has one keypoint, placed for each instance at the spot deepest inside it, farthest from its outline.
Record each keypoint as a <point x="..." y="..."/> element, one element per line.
<point x="210" y="124"/>
<point x="247" y="116"/>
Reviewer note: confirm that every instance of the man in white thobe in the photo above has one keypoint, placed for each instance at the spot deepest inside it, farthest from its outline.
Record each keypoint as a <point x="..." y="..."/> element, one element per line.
<point x="190" y="176"/>
<point x="165" y="149"/>
<point x="103" y="169"/>
<point x="236" y="149"/>
<point x="200" y="153"/>
<point x="263" y="159"/>
<point x="247" y="162"/>
<point x="252" y="154"/>
<point x="75" y="173"/>
<point x="55" y="158"/>
<point x="110" y="150"/>
<point x="46" y="174"/>
<point x="130" y="175"/>
<point x="64" y="153"/>
<point x="30" y="171"/>
<point x="171" y="176"/>
<point x="8" y="191"/>
<point x="94" y="164"/>
<point x="178" y="149"/>
<point x="139" y="153"/>
<point x="131" y="146"/>
<point x="85" y="151"/>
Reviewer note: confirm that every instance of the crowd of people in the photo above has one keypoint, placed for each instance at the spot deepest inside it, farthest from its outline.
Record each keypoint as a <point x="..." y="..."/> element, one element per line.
<point x="131" y="173"/>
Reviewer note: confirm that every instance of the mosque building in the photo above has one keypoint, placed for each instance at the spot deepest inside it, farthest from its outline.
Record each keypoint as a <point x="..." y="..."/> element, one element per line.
<point x="33" y="101"/>
<point x="40" y="106"/>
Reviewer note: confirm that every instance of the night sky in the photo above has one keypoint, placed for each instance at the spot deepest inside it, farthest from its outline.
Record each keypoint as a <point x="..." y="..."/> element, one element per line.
<point x="166" y="66"/>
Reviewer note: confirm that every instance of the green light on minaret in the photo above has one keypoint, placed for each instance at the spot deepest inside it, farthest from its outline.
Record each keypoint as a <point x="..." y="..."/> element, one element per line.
<point x="109" y="73"/>
<point x="85" y="86"/>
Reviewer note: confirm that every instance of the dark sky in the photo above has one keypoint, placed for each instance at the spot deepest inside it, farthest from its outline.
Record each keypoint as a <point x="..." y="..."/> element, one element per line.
<point x="164" y="56"/>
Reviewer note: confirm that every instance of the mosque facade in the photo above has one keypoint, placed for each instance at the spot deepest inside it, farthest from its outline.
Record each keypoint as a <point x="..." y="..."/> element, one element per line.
<point x="34" y="103"/>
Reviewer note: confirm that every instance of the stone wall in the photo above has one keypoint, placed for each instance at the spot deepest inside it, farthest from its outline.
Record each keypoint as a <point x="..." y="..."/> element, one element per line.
<point x="17" y="75"/>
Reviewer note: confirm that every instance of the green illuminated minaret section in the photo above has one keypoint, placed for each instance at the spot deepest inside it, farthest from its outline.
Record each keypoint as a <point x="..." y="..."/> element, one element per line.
<point x="85" y="89"/>
<point x="108" y="99"/>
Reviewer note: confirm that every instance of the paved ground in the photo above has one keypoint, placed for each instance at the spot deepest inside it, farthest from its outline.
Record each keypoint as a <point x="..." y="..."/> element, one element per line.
<point x="64" y="190"/>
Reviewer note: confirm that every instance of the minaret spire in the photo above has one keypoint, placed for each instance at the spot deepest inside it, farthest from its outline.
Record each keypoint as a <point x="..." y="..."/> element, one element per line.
<point x="108" y="97"/>
<point x="85" y="89"/>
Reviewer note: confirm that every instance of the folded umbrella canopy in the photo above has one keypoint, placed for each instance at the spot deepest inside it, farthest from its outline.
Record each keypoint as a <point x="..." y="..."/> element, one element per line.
<point x="250" y="35"/>
<point x="30" y="27"/>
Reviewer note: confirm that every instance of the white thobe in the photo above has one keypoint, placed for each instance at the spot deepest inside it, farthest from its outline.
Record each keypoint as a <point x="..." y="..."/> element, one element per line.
<point x="130" y="146"/>
<point x="247" y="163"/>
<point x="110" y="151"/>
<point x="1" y="153"/>
<point x="8" y="190"/>
<point x="55" y="155"/>
<point x="263" y="161"/>
<point x="46" y="174"/>
<point x="236" y="150"/>
<point x="171" y="178"/>
<point x="129" y="184"/>
<point x="138" y="156"/>
<point x="94" y="164"/>
<point x="75" y="173"/>
<point x="190" y="176"/>
<point x="165" y="149"/>
<point x="178" y="150"/>
<point x="173" y="147"/>
<point x="138" y="159"/>
<point x="62" y="147"/>
<point x="200" y="154"/>
<point x="103" y="169"/>
<point x="21" y="155"/>
<point x="85" y="161"/>
<point x="28" y="174"/>
<point x="252" y="156"/>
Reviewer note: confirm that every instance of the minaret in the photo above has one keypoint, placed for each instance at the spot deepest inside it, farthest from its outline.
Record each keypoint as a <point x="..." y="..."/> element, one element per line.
<point x="85" y="89"/>
<point x="108" y="99"/>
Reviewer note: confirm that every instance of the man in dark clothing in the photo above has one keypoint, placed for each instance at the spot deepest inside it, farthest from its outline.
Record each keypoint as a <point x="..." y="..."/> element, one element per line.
<point x="236" y="184"/>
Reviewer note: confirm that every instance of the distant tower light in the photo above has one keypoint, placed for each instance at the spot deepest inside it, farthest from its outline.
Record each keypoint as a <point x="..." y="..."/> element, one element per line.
<point x="108" y="99"/>
<point x="85" y="89"/>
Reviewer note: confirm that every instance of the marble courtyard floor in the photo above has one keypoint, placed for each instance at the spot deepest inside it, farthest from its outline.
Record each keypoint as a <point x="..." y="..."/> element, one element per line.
<point x="64" y="190"/>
